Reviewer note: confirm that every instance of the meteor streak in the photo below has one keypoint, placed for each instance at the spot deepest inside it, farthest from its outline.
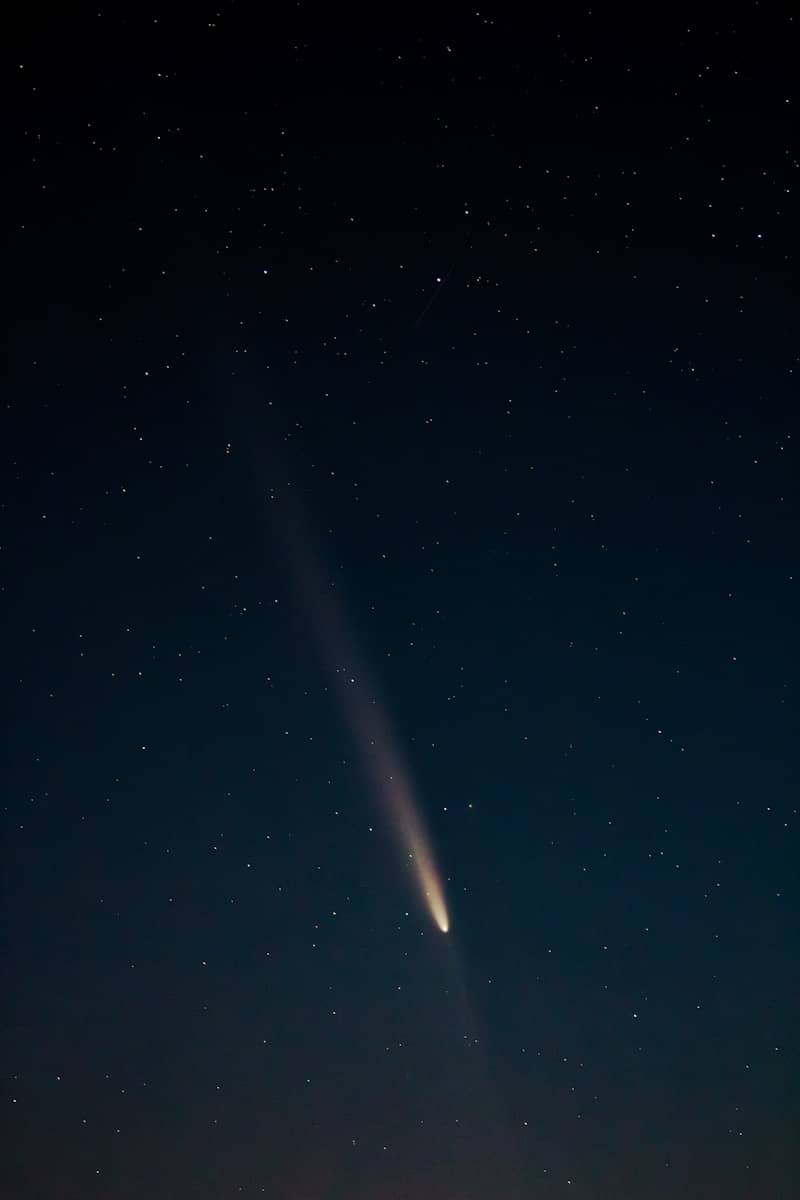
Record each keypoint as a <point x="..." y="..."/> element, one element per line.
<point x="366" y="720"/>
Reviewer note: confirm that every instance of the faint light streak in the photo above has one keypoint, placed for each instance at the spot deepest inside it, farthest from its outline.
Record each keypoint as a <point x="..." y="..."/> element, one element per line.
<point x="366" y="719"/>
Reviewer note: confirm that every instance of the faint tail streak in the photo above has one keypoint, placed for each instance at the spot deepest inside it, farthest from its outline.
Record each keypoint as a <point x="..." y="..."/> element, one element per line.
<point x="364" y="716"/>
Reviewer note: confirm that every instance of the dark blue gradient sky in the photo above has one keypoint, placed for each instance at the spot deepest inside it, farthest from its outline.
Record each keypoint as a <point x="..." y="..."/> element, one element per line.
<point x="505" y="307"/>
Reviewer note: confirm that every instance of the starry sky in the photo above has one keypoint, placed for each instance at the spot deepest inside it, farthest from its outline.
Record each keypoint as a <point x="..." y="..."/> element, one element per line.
<point x="408" y="395"/>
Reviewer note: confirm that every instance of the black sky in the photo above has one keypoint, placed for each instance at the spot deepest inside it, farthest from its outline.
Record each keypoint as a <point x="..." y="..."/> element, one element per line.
<point x="503" y="307"/>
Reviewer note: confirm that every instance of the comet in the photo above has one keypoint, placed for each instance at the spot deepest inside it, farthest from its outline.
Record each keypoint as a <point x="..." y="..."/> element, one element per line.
<point x="366" y="718"/>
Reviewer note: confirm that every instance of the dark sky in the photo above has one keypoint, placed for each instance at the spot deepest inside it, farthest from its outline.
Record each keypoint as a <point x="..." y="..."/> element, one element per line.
<point x="490" y="323"/>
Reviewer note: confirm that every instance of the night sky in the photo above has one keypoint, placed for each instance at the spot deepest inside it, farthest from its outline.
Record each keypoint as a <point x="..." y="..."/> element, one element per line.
<point x="401" y="396"/>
